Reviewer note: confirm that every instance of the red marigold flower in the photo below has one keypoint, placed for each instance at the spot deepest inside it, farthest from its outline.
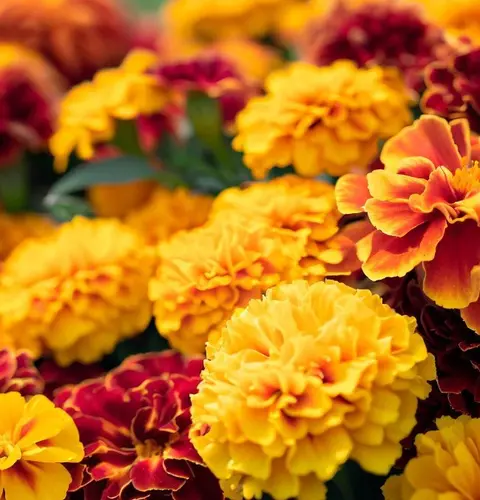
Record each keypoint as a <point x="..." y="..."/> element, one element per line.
<point x="134" y="424"/>
<point x="453" y="87"/>
<point x="18" y="373"/>
<point x="377" y="32"/>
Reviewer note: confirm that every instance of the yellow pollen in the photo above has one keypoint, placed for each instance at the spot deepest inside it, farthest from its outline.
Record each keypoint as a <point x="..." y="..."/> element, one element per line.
<point x="150" y="448"/>
<point x="467" y="179"/>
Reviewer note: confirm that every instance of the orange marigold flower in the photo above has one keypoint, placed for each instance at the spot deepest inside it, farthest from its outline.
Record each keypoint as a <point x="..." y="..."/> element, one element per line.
<point x="325" y="119"/>
<point x="297" y="206"/>
<point x="302" y="381"/>
<point x="424" y="208"/>
<point x="78" y="292"/>
<point x="18" y="373"/>
<point x="447" y="464"/>
<point x="78" y="36"/>
<point x="206" y="273"/>
<point x="167" y="212"/>
<point x="36" y="439"/>
<point x="134" y="423"/>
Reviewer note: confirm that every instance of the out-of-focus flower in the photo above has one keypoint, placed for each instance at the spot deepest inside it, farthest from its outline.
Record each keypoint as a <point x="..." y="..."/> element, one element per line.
<point x="304" y="380"/>
<point x="321" y="119"/>
<point x="134" y="424"/>
<point x="29" y="91"/>
<point x="78" y="36"/>
<point x="78" y="292"/>
<point x="376" y="33"/>
<point x="447" y="465"/>
<point x="16" y="228"/>
<point x="167" y="212"/>
<point x="88" y="112"/>
<point x="206" y="273"/>
<point x="18" y="373"/>
<point x="453" y="87"/>
<point x="36" y="439"/>
<point x="296" y="206"/>
<point x="424" y="209"/>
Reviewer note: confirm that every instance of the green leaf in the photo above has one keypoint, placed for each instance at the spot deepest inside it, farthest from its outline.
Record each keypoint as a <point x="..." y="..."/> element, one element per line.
<point x="66" y="208"/>
<point x="15" y="186"/>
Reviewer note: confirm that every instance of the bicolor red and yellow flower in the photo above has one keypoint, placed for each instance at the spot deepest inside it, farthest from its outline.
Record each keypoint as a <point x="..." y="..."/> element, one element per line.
<point x="425" y="209"/>
<point x="302" y="381"/>
<point x="134" y="424"/>
<point x="19" y="374"/>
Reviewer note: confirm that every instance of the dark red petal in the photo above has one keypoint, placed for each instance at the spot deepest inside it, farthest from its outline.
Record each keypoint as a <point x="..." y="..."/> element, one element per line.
<point x="150" y="474"/>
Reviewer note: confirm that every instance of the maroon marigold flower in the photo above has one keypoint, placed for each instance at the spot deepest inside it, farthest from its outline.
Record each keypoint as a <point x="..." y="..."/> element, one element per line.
<point x="134" y="424"/>
<point x="377" y="32"/>
<point x="18" y="373"/>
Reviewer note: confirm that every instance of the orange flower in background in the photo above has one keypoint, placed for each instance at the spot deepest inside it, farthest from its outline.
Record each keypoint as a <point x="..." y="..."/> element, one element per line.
<point x="78" y="292"/>
<point x="302" y="381"/>
<point x="167" y="212"/>
<point x="424" y="207"/>
<point x="206" y="273"/>
<point x="327" y="119"/>
<point x="36" y="439"/>
<point x="78" y="36"/>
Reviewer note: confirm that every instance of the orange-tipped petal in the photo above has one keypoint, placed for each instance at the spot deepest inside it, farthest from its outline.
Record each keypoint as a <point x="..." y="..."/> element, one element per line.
<point x="452" y="279"/>
<point x="430" y="137"/>
<point x="351" y="192"/>
<point x="461" y="136"/>
<point x="417" y="167"/>
<point x="386" y="256"/>
<point x="388" y="186"/>
<point x="471" y="316"/>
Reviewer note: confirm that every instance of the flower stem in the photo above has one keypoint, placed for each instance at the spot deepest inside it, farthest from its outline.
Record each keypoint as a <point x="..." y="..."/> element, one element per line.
<point x="14" y="186"/>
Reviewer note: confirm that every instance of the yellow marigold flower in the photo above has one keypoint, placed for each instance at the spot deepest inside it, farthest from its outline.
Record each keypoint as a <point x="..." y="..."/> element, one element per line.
<point x="167" y="212"/>
<point x="77" y="292"/>
<point x="88" y="112"/>
<point x="326" y="119"/>
<point x="447" y="465"/>
<point x="294" y="205"/>
<point x="206" y="273"/>
<point x="16" y="228"/>
<point x="36" y="439"/>
<point x="304" y="380"/>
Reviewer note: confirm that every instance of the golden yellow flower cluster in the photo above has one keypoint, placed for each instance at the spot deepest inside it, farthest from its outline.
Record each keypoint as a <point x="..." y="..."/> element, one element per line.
<point x="326" y="119"/>
<point x="302" y="381"/>
<point x="78" y="292"/>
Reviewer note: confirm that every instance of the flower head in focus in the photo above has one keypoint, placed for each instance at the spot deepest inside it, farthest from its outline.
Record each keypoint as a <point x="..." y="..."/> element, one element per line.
<point x="206" y="273"/>
<point x="77" y="292"/>
<point x="304" y="380"/>
<point x="167" y="212"/>
<point x="326" y="119"/>
<point x="79" y="37"/>
<point x="447" y="464"/>
<point x="424" y="209"/>
<point x="36" y="439"/>
<point x="18" y="373"/>
<point x="296" y="206"/>
<point x="134" y="423"/>
<point x="382" y="33"/>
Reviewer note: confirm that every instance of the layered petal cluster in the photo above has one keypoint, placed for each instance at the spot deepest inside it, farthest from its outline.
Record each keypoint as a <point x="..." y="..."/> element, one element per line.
<point x="327" y="119"/>
<point x="78" y="292"/>
<point x="447" y="464"/>
<point x="206" y="273"/>
<point x="78" y="36"/>
<point x="453" y="86"/>
<point x="424" y="208"/>
<point x="302" y="381"/>
<point x="295" y="206"/>
<point x="167" y="212"/>
<point x="134" y="424"/>
<point x="382" y="33"/>
<point x="36" y="439"/>
<point x="18" y="373"/>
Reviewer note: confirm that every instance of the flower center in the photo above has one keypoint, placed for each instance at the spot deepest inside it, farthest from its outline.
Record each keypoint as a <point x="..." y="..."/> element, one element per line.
<point x="467" y="179"/>
<point x="6" y="446"/>
<point x="150" y="448"/>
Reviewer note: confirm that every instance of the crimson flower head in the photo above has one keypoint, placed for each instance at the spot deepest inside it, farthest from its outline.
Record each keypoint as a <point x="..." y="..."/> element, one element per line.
<point x="18" y="373"/>
<point x="134" y="424"/>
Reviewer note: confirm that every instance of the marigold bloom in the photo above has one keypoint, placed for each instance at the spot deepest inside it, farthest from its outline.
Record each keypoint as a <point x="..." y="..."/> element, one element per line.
<point x="447" y="464"/>
<point x="424" y="209"/>
<point x="78" y="36"/>
<point x="36" y="439"/>
<point x="304" y="380"/>
<point x="296" y="206"/>
<point x="134" y="424"/>
<point x="206" y="273"/>
<point x="167" y="212"/>
<point x="78" y="292"/>
<point x="18" y="373"/>
<point x="321" y="119"/>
